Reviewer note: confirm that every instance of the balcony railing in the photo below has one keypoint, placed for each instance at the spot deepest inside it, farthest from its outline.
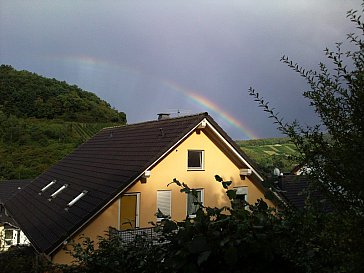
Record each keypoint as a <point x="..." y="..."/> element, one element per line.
<point x="130" y="235"/>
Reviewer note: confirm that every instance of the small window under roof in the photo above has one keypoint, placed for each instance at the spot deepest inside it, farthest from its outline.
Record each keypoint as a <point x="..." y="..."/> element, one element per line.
<point x="59" y="190"/>
<point x="48" y="185"/>
<point x="78" y="197"/>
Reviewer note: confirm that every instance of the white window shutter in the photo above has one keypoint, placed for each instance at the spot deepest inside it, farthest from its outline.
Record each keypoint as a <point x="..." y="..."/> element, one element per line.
<point x="164" y="202"/>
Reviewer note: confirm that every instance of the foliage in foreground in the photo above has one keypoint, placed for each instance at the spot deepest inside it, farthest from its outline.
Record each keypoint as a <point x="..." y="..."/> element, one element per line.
<point x="332" y="151"/>
<point x="228" y="239"/>
<point x="23" y="259"/>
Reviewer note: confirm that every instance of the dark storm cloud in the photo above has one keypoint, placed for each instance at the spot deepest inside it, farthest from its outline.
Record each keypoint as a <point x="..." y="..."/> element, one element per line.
<point x="126" y="51"/>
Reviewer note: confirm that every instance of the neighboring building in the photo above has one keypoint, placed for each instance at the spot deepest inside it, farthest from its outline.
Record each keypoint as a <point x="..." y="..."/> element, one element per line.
<point x="295" y="188"/>
<point x="10" y="234"/>
<point x="119" y="179"/>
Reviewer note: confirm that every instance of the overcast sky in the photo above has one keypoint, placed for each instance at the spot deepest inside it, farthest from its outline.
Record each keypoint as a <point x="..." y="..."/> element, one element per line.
<point x="191" y="56"/>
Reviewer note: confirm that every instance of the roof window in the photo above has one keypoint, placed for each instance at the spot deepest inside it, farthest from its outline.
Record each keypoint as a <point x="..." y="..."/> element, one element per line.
<point x="48" y="185"/>
<point x="78" y="197"/>
<point x="59" y="190"/>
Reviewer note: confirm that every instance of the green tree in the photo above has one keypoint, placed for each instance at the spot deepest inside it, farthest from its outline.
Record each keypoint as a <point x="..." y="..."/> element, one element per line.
<point x="332" y="153"/>
<point x="333" y="150"/>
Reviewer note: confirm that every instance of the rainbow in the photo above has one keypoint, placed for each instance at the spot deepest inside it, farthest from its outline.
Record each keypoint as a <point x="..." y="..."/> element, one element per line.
<point x="206" y="103"/>
<point x="87" y="62"/>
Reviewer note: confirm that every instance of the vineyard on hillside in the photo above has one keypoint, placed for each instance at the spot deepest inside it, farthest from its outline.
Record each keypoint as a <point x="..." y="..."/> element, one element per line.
<point x="270" y="153"/>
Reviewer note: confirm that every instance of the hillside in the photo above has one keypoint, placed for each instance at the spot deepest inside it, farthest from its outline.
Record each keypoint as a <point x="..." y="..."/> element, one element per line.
<point x="270" y="153"/>
<point x="25" y="94"/>
<point x="42" y="120"/>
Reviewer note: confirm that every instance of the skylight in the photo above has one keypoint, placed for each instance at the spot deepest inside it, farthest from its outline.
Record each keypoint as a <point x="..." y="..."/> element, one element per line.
<point x="49" y="184"/>
<point x="78" y="197"/>
<point x="59" y="190"/>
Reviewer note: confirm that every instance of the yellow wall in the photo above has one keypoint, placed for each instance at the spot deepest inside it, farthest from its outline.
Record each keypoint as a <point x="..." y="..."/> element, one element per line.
<point x="174" y="165"/>
<point x="97" y="227"/>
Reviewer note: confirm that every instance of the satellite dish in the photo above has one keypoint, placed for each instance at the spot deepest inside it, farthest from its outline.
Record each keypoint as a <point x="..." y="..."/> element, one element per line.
<point x="276" y="172"/>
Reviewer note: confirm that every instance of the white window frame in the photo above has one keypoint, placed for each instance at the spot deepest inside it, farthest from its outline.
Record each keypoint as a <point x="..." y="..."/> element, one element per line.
<point x="10" y="241"/>
<point x="202" y="167"/>
<point x="242" y="190"/>
<point x="159" y="192"/>
<point x="202" y="201"/>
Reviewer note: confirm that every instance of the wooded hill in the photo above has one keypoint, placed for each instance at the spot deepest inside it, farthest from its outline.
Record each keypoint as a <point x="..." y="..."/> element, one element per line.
<point x="42" y="120"/>
<point x="28" y="95"/>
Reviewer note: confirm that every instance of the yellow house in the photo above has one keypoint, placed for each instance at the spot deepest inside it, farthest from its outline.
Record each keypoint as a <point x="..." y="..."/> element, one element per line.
<point x="120" y="178"/>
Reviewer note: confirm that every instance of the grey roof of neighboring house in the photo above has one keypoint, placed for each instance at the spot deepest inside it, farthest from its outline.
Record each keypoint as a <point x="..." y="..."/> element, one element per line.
<point x="7" y="189"/>
<point x="103" y="166"/>
<point x="294" y="190"/>
<point x="292" y="187"/>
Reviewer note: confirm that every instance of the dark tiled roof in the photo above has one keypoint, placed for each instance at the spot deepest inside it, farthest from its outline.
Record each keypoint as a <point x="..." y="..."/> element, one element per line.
<point x="292" y="187"/>
<point x="7" y="189"/>
<point x="294" y="190"/>
<point x="10" y="187"/>
<point x="103" y="166"/>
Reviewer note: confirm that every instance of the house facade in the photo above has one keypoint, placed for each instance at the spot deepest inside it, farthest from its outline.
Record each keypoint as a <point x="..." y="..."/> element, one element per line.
<point x="10" y="233"/>
<point x="11" y="236"/>
<point x="120" y="179"/>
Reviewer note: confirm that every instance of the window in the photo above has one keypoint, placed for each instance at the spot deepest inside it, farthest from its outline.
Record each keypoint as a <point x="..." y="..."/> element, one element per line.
<point x="9" y="233"/>
<point x="74" y="200"/>
<point x="48" y="185"/>
<point x="53" y="195"/>
<point x="192" y="202"/>
<point x="242" y="195"/>
<point x="163" y="203"/>
<point x="195" y="159"/>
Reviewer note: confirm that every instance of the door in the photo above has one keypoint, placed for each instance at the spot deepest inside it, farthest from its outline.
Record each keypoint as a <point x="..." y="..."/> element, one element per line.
<point x="129" y="207"/>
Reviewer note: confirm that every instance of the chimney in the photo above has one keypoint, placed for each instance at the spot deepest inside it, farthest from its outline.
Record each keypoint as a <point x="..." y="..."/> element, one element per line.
<point x="163" y="116"/>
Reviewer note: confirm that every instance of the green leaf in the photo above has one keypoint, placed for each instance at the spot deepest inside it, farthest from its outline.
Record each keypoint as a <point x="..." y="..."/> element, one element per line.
<point x="226" y="184"/>
<point x="186" y="190"/>
<point x="231" y="256"/>
<point x="231" y="194"/>
<point x="218" y="178"/>
<point x="198" y="244"/>
<point x="203" y="257"/>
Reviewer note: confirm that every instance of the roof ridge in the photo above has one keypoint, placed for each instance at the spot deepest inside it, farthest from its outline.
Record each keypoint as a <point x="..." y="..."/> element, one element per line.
<point x="155" y="120"/>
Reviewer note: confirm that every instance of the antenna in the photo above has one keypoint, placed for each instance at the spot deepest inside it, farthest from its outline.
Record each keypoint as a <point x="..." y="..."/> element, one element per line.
<point x="179" y="112"/>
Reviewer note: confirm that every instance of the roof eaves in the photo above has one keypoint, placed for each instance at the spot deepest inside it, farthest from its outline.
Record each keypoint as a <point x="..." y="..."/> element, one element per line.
<point x="233" y="146"/>
<point x="175" y="143"/>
